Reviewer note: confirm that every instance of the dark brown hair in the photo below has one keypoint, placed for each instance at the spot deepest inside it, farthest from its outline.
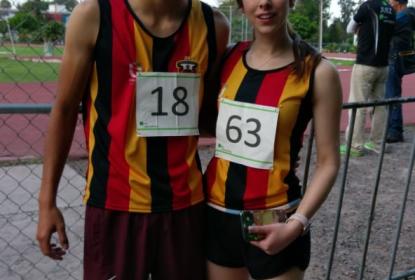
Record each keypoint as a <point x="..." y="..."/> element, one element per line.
<point x="302" y="50"/>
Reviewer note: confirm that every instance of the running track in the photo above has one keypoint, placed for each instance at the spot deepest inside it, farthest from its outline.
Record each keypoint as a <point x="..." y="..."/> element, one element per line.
<point x="22" y="135"/>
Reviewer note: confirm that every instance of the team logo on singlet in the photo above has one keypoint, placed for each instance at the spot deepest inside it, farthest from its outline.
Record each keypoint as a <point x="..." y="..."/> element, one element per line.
<point x="186" y="65"/>
<point x="133" y="69"/>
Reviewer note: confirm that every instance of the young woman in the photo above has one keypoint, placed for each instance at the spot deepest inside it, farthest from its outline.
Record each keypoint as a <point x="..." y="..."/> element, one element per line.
<point x="271" y="88"/>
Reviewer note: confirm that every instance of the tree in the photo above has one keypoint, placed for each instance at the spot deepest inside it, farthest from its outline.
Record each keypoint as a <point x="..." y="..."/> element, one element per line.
<point x="53" y="31"/>
<point x="5" y="4"/>
<point x="34" y="7"/>
<point x="240" y="31"/>
<point x="3" y="28"/>
<point x="227" y="3"/>
<point x="26" y="25"/>
<point x="305" y="18"/>
<point x="306" y="28"/>
<point x="346" y="10"/>
<point x="69" y="4"/>
<point x="28" y="20"/>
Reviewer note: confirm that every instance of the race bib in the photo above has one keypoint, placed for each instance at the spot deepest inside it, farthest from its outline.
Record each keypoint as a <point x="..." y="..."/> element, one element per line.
<point x="167" y="104"/>
<point x="245" y="133"/>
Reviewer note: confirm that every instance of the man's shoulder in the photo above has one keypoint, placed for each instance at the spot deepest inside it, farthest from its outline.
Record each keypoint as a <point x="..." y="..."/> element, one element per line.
<point x="368" y="4"/>
<point x="222" y="30"/>
<point x="361" y="12"/>
<point x="220" y="19"/>
<point x="409" y="12"/>
<point x="376" y="5"/>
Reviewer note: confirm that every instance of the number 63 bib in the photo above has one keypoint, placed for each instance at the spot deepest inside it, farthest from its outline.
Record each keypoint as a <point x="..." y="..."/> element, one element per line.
<point x="245" y="133"/>
<point x="167" y="104"/>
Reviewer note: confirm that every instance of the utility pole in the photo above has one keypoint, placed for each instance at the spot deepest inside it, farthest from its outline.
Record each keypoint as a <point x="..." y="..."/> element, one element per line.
<point x="320" y="35"/>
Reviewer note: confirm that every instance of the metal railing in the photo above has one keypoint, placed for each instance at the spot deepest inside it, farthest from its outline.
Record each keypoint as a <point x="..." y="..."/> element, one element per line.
<point x="354" y="107"/>
<point x="20" y="180"/>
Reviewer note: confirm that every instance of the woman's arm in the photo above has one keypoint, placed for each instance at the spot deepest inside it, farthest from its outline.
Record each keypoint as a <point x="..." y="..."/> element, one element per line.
<point x="327" y="101"/>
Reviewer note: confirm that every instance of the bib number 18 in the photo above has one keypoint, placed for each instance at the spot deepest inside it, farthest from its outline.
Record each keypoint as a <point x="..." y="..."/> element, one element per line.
<point x="167" y="104"/>
<point x="179" y="108"/>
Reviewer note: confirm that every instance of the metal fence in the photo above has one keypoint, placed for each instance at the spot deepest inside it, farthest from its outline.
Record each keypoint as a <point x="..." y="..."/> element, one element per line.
<point x="393" y="214"/>
<point x="365" y="230"/>
<point x="343" y="247"/>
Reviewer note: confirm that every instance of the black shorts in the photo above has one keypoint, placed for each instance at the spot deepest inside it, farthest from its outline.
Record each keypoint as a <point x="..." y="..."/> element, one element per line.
<point x="226" y="247"/>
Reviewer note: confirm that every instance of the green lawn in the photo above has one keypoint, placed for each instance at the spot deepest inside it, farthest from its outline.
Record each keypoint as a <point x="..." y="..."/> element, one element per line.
<point x="25" y="71"/>
<point x="33" y="50"/>
<point x="339" y="62"/>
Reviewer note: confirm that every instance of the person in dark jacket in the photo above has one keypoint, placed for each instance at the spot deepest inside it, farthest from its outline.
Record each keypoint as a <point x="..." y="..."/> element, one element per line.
<point x="401" y="42"/>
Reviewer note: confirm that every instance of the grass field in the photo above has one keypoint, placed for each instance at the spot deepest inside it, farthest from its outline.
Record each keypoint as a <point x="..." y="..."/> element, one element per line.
<point x="12" y="70"/>
<point x="32" y="50"/>
<point x="26" y="71"/>
<point x="20" y="71"/>
<point x="340" y="62"/>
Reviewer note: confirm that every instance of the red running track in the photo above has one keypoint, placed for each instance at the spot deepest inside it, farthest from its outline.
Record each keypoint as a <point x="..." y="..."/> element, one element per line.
<point x="22" y="135"/>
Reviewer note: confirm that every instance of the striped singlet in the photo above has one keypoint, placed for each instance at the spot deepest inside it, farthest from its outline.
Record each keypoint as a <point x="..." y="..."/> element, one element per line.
<point x="235" y="186"/>
<point x="127" y="172"/>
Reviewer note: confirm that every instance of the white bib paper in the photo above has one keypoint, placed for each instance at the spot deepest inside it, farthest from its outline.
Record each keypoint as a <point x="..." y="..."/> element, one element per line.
<point x="245" y="133"/>
<point x="167" y="104"/>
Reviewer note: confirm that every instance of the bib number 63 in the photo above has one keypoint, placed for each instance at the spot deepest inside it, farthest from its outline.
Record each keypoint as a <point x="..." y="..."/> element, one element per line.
<point x="245" y="133"/>
<point x="234" y="133"/>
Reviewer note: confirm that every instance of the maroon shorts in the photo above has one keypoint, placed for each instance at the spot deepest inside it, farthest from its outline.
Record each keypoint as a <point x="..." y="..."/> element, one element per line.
<point x="123" y="246"/>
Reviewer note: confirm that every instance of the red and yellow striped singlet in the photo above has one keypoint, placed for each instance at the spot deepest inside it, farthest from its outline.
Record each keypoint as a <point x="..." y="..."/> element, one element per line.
<point x="235" y="186"/>
<point x="127" y="172"/>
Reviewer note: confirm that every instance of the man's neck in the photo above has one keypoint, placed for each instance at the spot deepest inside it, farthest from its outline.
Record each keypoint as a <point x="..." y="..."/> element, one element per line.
<point x="167" y="8"/>
<point x="161" y="17"/>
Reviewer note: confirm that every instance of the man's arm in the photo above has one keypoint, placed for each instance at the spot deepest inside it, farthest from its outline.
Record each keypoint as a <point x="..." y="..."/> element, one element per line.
<point x="357" y="19"/>
<point x="222" y="35"/>
<point x="81" y="34"/>
<point x="208" y="111"/>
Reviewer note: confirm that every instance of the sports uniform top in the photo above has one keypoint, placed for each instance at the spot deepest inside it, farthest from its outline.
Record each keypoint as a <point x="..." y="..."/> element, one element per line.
<point x="236" y="186"/>
<point x="125" y="171"/>
<point x="376" y="19"/>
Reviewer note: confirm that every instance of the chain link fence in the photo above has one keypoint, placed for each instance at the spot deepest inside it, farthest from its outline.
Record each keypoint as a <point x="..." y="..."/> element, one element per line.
<point x="21" y="145"/>
<point x="335" y="229"/>
<point x="30" y="54"/>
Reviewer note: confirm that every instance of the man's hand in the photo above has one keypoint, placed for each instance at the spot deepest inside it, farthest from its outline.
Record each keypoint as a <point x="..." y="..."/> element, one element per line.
<point x="51" y="221"/>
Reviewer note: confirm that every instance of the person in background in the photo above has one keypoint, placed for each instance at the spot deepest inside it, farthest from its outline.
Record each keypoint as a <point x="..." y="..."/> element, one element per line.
<point x="271" y="88"/>
<point x="402" y="41"/>
<point x="374" y="23"/>
<point x="140" y="68"/>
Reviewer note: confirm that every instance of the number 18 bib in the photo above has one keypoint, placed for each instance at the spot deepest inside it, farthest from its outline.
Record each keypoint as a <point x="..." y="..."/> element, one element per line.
<point x="245" y="133"/>
<point x="167" y="104"/>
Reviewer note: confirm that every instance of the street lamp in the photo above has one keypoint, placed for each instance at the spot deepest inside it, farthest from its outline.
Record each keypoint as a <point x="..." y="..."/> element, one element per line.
<point x="320" y="35"/>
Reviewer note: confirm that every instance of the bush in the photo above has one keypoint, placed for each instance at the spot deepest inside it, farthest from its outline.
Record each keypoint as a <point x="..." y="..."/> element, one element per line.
<point x="53" y="31"/>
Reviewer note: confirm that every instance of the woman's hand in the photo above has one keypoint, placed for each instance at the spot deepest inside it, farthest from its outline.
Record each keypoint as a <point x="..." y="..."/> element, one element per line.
<point x="276" y="236"/>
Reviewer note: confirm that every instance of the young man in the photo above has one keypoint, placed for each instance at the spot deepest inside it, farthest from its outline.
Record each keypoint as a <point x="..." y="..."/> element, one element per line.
<point x="373" y="23"/>
<point x="401" y="42"/>
<point x="140" y="68"/>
